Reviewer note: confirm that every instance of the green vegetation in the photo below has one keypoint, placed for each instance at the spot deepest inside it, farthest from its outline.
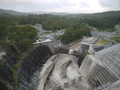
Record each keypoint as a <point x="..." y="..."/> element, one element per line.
<point x="47" y="32"/>
<point x="74" y="33"/>
<point x="15" y="67"/>
<point x="117" y="35"/>
<point x="106" y="20"/>
<point x="17" y="28"/>
<point x="10" y="33"/>
<point x="110" y="30"/>
<point x="101" y="42"/>
<point x="102" y="21"/>
<point x="37" y="25"/>
<point x="26" y="43"/>
<point x="5" y="43"/>
<point x="15" y="88"/>
<point x="116" y="39"/>
<point x="54" y="27"/>
<point x="14" y="77"/>
<point x="20" y="25"/>
<point x="19" y="56"/>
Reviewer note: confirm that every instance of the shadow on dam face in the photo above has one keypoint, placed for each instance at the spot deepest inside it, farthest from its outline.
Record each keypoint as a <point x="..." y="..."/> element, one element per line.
<point x="80" y="61"/>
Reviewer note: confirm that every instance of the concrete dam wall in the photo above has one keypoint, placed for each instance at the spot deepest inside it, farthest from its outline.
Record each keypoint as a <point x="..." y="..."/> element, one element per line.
<point x="103" y="68"/>
<point x="38" y="70"/>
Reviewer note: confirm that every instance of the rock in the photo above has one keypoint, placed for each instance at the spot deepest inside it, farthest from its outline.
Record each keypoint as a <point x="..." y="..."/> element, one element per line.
<point x="26" y="76"/>
<point x="69" y="51"/>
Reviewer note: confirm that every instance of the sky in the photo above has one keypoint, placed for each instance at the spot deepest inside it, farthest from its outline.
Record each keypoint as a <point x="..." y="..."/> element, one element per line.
<point x="69" y="6"/>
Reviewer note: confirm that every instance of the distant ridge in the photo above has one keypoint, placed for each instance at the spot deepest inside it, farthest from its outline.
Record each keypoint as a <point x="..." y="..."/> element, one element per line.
<point x="12" y="12"/>
<point x="54" y="13"/>
<point x="87" y="15"/>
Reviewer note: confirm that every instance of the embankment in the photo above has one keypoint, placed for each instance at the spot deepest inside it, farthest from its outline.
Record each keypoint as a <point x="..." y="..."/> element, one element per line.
<point x="20" y="69"/>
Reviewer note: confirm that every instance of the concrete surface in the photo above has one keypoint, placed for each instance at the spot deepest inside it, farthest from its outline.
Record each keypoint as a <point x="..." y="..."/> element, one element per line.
<point x="71" y="70"/>
<point x="77" y="46"/>
<point x="44" y="74"/>
<point x="114" y="86"/>
<point x="61" y="67"/>
<point x="88" y="66"/>
<point x="111" y="59"/>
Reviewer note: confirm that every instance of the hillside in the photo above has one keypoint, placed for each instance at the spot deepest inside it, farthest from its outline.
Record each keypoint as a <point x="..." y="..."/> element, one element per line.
<point x="67" y="15"/>
<point x="12" y="12"/>
<point x="94" y="15"/>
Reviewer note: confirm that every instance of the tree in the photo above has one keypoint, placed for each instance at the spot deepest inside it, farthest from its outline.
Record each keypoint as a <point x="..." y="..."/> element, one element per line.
<point x="54" y="27"/>
<point x="4" y="28"/>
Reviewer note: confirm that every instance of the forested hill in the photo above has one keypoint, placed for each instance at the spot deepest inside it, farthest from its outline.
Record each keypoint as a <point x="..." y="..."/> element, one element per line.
<point x="11" y="12"/>
<point x="94" y="15"/>
<point x="102" y="21"/>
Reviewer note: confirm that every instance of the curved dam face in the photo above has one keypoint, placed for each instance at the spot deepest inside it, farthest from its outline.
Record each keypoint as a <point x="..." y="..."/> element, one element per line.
<point x="102" y="69"/>
<point x="41" y="70"/>
<point x="65" y="74"/>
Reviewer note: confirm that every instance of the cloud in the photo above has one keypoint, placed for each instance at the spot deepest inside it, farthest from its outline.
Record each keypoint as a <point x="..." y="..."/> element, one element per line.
<point x="111" y="4"/>
<point x="78" y="6"/>
<point x="84" y="4"/>
<point x="35" y="5"/>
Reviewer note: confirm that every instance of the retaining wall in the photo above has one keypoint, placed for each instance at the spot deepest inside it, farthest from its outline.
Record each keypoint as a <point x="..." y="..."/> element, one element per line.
<point x="88" y="66"/>
<point x="57" y="43"/>
<point x="44" y="74"/>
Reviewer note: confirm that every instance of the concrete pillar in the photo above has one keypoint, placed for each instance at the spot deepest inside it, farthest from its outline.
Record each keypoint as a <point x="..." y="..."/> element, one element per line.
<point x="73" y="81"/>
<point x="79" y="78"/>
<point x="66" y="84"/>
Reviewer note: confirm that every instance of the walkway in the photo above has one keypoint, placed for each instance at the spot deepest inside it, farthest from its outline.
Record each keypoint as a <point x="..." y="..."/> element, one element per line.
<point x="77" y="45"/>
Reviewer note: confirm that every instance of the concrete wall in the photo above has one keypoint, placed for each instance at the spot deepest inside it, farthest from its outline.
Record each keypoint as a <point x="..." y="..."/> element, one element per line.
<point x="103" y="68"/>
<point x="101" y="78"/>
<point x="61" y="66"/>
<point x="114" y="86"/>
<point x="110" y="57"/>
<point x="55" y="44"/>
<point x="88" y="45"/>
<point x="44" y="74"/>
<point x="88" y="66"/>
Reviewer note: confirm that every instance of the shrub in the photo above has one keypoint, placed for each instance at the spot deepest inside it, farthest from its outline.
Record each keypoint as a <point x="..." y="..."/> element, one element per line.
<point x="4" y="44"/>
<point x="26" y="43"/>
<point x="15" y="88"/>
<point x="19" y="56"/>
<point x="14" y="67"/>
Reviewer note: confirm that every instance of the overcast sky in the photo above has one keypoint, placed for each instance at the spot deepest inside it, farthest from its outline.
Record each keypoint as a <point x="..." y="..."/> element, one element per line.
<point x="70" y="6"/>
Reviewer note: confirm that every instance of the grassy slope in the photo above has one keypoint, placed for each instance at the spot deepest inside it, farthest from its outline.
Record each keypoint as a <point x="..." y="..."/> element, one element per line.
<point x="101" y="42"/>
<point x="116" y="39"/>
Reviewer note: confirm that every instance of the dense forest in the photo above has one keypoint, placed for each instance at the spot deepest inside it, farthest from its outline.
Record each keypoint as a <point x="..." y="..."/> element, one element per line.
<point x="106" y="20"/>
<point x="14" y="28"/>
<point x="10" y="33"/>
<point x="103" y="21"/>
<point x="74" y="33"/>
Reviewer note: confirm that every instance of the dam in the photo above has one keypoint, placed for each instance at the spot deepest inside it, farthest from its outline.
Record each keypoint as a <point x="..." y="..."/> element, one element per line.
<point x="98" y="71"/>
<point x="57" y="66"/>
